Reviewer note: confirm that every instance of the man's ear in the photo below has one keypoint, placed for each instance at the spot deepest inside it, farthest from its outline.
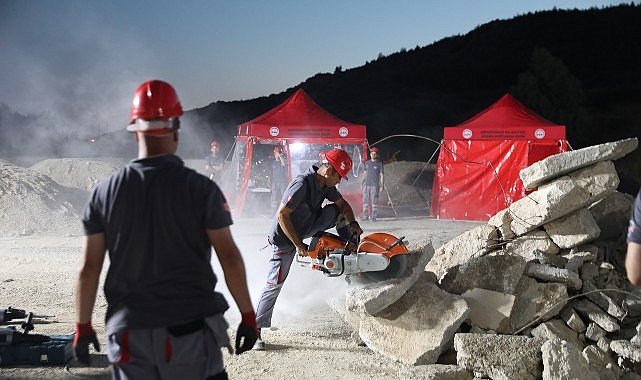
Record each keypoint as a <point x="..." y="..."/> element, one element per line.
<point x="176" y="136"/>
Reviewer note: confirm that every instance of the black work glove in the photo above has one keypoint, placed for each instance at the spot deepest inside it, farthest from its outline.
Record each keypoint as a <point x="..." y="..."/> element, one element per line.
<point x="84" y="336"/>
<point x="247" y="332"/>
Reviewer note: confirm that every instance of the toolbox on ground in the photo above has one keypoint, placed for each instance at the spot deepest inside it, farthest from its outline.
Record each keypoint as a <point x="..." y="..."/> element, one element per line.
<point x="57" y="350"/>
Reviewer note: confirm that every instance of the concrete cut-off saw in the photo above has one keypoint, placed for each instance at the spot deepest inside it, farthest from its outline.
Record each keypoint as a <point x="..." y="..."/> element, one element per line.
<point x="378" y="256"/>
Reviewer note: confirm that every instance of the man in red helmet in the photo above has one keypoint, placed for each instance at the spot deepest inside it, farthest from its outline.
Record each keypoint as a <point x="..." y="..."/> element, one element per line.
<point x="213" y="163"/>
<point x="300" y="215"/>
<point x="371" y="184"/>
<point x="158" y="220"/>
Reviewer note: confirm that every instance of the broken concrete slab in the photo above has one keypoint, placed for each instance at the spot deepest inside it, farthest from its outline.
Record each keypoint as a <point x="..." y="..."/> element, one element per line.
<point x="370" y="298"/>
<point x="499" y="356"/>
<point x="551" y="274"/>
<point x="626" y="350"/>
<point x="489" y="310"/>
<point x="573" y="229"/>
<point x="594" y="313"/>
<point x="571" y="192"/>
<point x="425" y="319"/>
<point x="559" y="164"/>
<point x="562" y="360"/>
<point x="612" y="214"/>
<point x="609" y="302"/>
<point x="498" y="271"/>
<point x="473" y="243"/>
<point x="526" y="245"/>
<point x="599" y="180"/>
<point x="548" y="203"/>
<point x="536" y="302"/>
<point x="572" y="319"/>
<point x="501" y="220"/>
<point x="557" y="329"/>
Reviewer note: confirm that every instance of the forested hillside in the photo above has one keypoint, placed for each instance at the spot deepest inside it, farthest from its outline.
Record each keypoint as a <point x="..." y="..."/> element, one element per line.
<point x="577" y="68"/>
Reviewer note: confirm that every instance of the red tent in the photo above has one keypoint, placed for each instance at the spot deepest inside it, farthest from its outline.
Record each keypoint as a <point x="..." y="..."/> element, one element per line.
<point x="477" y="172"/>
<point x="303" y="130"/>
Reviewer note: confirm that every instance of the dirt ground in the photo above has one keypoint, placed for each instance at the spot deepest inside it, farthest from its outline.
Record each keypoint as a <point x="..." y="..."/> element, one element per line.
<point x="308" y="340"/>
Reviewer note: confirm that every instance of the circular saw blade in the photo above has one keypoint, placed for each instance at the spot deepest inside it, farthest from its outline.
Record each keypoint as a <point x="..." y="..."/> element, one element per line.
<point x="396" y="268"/>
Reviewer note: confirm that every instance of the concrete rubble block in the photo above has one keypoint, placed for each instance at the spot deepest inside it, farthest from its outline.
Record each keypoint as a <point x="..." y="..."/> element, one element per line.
<point x="370" y="298"/>
<point x="490" y="310"/>
<point x="557" y="329"/>
<point x="574" y="264"/>
<point x="572" y="319"/>
<point x="526" y="244"/>
<point x="589" y="310"/>
<point x="536" y="301"/>
<point x="612" y="214"/>
<point x="498" y="271"/>
<point x="548" y="203"/>
<point x="594" y="332"/>
<point x="576" y="228"/>
<point x="550" y="274"/>
<point x="473" y="243"/>
<point x="559" y="164"/>
<point x="609" y="301"/>
<point x="562" y="360"/>
<point x="501" y="220"/>
<point x="599" y="180"/>
<point x="604" y="344"/>
<point x="588" y="271"/>
<point x="499" y="356"/>
<point x="626" y="350"/>
<point x="435" y="372"/>
<point x="425" y="319"/>
<point x="601" y="362"/>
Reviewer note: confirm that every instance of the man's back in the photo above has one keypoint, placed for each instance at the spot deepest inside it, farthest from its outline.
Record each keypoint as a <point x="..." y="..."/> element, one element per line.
<point x="154" y="212"/>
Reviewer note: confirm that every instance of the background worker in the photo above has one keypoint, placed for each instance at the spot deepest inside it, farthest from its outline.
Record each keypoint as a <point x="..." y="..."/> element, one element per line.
<point x="372" y="183"/>
<point x="279" y="178"/>
<point x="633" y="255"/>
<point x="300" y="215"/>
<point x="158" y="220"/>
<point x="213" y="163"/>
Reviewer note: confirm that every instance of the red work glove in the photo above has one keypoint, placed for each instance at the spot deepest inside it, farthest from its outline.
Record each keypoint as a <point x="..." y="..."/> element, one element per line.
<point x="83" y="336"/>
<point x="247" y="332"/>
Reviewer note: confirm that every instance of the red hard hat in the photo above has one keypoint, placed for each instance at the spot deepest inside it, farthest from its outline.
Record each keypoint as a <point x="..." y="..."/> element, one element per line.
<point x="277" y="149"/>
<point x="214" y="143"/>
<point x="340" y="161"/>
<point x="374" y="149"/>
<point x="154" y="99"/>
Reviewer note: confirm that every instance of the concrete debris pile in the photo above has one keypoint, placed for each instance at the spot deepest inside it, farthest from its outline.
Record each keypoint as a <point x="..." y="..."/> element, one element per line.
<point x="537" y="292"/>
<point x="33" y="203"/>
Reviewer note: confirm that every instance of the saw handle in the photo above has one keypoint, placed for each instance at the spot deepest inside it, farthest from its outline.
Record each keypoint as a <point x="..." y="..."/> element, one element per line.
<point x="397" y="242"/>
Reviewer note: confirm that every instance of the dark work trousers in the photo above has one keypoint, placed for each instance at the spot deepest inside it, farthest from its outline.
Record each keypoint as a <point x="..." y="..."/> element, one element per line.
<point x="370" y="195"/>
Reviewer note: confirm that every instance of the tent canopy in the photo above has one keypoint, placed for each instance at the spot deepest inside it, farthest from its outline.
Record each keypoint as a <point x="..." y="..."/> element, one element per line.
<point x="477" y="172"/>
<point x="303" y="130"/>
<point x="300" y="117"/>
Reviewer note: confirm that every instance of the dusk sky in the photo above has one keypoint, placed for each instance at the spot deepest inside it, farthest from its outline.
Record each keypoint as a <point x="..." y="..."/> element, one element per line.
<point x="84" y="59"/>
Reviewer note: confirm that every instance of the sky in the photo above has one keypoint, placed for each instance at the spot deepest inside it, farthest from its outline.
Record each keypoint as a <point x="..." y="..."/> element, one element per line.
<point x="81" y="60"/>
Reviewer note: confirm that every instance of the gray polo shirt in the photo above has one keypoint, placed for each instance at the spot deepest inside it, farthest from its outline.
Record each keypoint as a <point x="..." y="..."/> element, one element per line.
<point x="154" y="212"/>
<point x="305" y="196"/>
